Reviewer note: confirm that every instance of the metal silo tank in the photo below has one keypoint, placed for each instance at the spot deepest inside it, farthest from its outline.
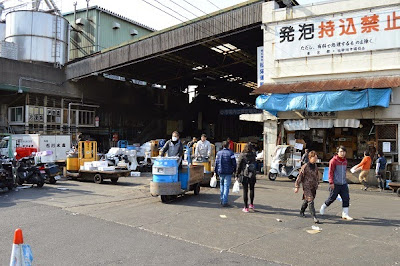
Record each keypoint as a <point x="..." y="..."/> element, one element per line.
<point x="40" y="36"/>
<point x="2" y="31"/>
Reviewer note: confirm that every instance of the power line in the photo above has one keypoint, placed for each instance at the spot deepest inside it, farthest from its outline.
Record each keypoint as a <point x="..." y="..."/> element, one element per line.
<point x="163" y="11"/>
<point x="172" y="10"/>
<point x="184" y="8"/>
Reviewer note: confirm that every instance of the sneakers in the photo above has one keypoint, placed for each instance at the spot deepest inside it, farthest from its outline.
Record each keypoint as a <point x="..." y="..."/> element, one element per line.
<point x="322" y="210"/>
<point x="245" y="209"/>
<point x="251" y="206"/>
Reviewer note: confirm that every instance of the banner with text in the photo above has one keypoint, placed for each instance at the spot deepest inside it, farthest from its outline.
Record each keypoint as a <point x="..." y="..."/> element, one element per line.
<point x="347" y="33"/>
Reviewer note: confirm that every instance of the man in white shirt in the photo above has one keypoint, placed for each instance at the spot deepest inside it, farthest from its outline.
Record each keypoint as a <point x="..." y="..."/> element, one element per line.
<point x="203" y="148"/>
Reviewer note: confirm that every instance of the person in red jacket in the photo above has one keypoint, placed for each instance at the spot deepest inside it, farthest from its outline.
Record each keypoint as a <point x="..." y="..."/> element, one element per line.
<point x="231" y="144"/>
<point x="338" y="183"/>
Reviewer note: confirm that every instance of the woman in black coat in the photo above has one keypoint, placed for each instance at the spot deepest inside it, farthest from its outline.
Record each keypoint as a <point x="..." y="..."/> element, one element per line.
<point x="246" y="173"/>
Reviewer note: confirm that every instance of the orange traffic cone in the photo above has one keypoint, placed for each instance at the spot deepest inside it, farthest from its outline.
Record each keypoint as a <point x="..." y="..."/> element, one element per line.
<point x="21" y="254"/>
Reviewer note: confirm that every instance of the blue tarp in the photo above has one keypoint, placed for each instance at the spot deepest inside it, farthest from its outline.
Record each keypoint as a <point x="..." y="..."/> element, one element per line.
<point x="326" y="101"/>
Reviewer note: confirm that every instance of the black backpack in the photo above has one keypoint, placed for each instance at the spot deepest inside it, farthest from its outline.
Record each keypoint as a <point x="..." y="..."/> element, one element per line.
<point x="250" y="170"/>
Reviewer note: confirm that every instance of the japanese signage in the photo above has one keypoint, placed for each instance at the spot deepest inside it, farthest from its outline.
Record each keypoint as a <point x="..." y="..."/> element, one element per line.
<point x="348" y="33"/>
<point x="239" y="111"/>
<point x="260" y="66"/>
<point x="307" y="114"/>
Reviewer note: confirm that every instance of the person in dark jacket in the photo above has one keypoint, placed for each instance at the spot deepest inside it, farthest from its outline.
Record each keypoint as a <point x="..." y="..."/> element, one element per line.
<point x="304" y="159"/>
<point x="246" y="173"/>
<point x="225" y="166"/>
<point x="338" y="183"/>
<point x="173" y="147"/>
<point x="309" y="178"/>
<point x="380" y="170"/>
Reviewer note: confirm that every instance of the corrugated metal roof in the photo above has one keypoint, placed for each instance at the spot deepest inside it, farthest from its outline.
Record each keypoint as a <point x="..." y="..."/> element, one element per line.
<point x="330" y="85"/>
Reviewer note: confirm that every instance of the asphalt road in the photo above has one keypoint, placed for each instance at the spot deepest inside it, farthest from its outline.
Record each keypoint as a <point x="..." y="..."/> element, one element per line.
<point x="82" y="223"/>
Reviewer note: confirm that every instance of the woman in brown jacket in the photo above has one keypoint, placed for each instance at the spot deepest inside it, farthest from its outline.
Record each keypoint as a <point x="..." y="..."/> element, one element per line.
<point x="309" y="177"/>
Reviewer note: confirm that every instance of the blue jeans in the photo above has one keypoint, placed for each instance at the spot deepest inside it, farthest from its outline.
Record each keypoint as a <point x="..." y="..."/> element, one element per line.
<point x="225" y="183"/>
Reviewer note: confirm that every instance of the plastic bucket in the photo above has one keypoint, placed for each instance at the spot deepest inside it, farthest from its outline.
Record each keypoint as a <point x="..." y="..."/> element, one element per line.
<point x="165" y="170"/>
<point x="325" y="177"/>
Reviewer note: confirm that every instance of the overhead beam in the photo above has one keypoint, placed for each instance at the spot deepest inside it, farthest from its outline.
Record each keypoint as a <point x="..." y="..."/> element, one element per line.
<point x="168" y="41"/>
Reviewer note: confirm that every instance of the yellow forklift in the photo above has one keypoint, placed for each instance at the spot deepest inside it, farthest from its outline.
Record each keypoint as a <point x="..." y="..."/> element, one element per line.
<point x="87" y="152"/>
<point x="208" y="165"/>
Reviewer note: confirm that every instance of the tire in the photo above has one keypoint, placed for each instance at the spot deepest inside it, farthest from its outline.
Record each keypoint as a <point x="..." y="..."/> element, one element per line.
<point x="292" y="177"/>
<point x="52" y="180"/>
<point x="164" y="198"/>
<point x="197" y="189"/>
<point x="398" y="192"/>
<point x="20" y="182"/>
<point x="40" y="184"/>
<point x="10" y="187"/>
<point x="98" y="179"/>
<point x="272" y="176"/>
<point x="114" y="180"/>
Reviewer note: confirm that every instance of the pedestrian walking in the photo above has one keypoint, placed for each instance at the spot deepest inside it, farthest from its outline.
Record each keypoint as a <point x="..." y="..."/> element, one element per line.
<point x="225" y="166"/>
<point x="365" y="165"/>
<point x="246" y="173"/>
<point x="309" y="178"/>
<point x="380" y="172"/>
<point x="338" y="183"/>
<point x="304" y="159"/>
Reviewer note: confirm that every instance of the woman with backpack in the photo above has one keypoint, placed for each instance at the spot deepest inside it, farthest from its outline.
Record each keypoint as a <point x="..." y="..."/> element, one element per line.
<point x="246" y="173"/>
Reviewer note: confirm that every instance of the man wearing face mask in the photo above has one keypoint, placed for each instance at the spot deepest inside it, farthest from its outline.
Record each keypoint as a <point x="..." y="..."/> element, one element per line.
<point x="173" y="147"/>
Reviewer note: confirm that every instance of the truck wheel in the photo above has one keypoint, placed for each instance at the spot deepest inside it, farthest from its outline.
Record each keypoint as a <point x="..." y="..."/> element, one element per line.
<point x="197" y="189"/>
<point x="398" y="192"/>
<point x="164" y="198"/>
<point x="272" y="176"/>
<point x="114" y="180"/>
<point x="52" y="180"/>
<point x="98" y="179"/>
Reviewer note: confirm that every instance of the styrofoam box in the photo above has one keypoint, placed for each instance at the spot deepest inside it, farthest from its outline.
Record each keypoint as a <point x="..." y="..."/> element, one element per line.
<point x="100" y="164"/>
<point x="108" y="168"/>
<point x="135" y="173"/>
<point x="87" y="164"/>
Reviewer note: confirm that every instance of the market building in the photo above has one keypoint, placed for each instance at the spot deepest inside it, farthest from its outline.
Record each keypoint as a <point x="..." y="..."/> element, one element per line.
<point x="331" y="77"/>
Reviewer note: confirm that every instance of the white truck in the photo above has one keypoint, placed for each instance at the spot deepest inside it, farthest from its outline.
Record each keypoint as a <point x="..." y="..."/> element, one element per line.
<point x="58" y="144"/>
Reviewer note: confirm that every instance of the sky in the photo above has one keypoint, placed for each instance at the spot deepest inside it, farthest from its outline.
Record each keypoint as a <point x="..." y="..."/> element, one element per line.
<point x="149" y="15"/>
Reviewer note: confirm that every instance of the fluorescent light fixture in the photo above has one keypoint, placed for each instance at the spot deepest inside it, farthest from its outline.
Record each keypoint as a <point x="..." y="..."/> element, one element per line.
<point x="226" y="48"/>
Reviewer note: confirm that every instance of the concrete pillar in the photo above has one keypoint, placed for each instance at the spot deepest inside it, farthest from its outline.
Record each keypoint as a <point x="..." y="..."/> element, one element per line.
<point x="270" y="136"/>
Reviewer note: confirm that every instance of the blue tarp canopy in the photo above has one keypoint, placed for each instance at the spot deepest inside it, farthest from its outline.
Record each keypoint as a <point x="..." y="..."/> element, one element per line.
<point x="326" y="101"/>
